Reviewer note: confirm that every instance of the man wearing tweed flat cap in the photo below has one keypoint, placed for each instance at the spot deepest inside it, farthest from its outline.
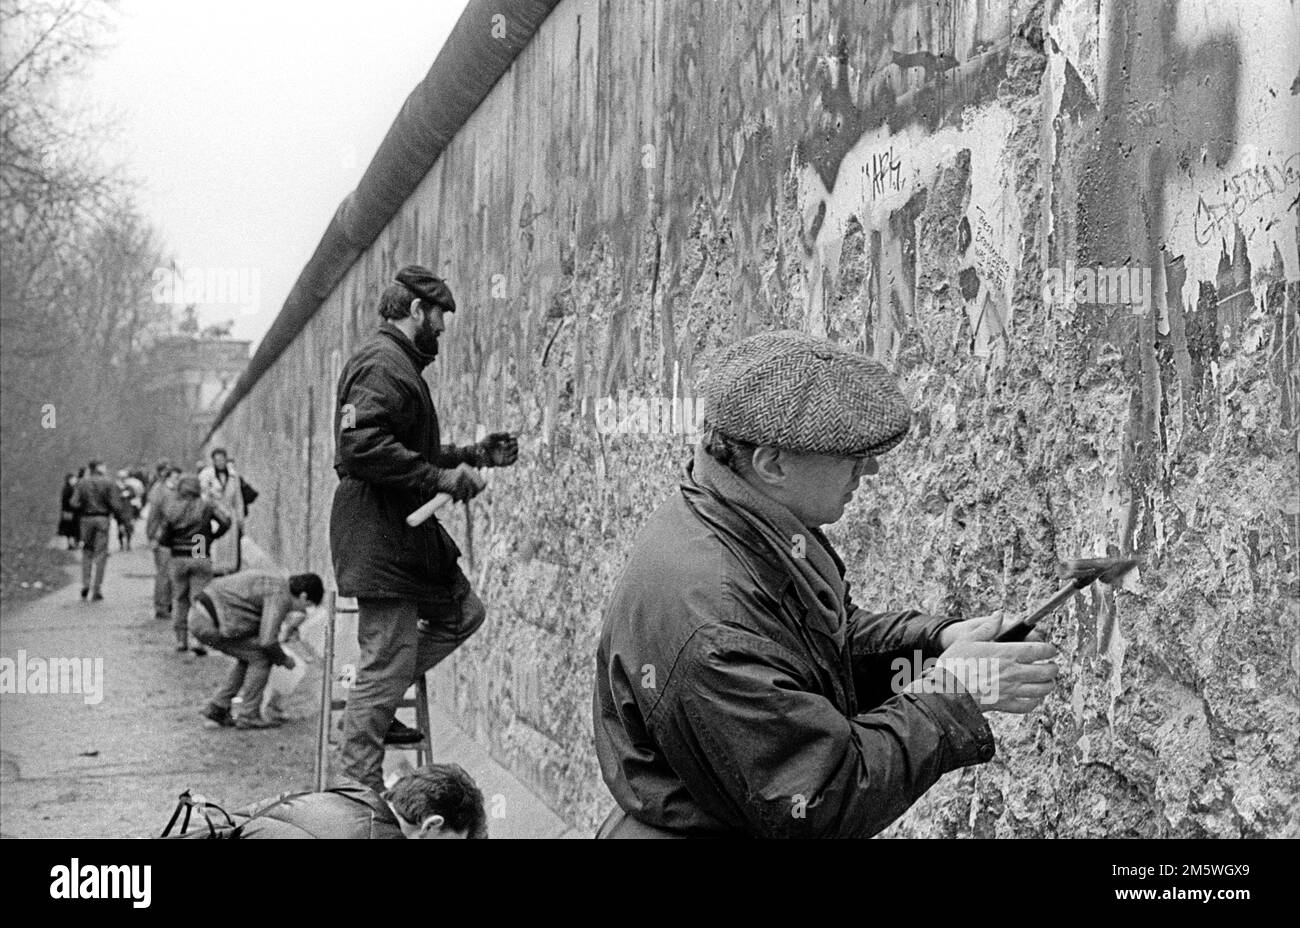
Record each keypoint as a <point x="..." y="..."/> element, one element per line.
<point x="739" y="689"/>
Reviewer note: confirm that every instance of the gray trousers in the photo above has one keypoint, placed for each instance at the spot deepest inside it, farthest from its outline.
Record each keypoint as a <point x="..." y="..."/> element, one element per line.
<point x="162" y="583"/>
<point x="94" y="552"/>
<point x="395" y="652"/>
<point x="189" y="575"/>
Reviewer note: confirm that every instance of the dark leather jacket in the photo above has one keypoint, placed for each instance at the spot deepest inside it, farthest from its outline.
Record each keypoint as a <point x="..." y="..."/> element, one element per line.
<point x="190" y="523"/>
<point x="98" y="495"/>
<point x="723" y="706"/>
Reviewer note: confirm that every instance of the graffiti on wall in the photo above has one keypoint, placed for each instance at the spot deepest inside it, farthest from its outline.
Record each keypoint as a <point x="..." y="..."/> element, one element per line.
<point x="876" y="151"/>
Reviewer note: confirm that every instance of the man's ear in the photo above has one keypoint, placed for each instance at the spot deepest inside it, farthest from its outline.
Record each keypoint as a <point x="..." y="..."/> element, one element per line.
<point x="432" y="823"/>
<point x="414" y="309"/>
<point x="769" y="466"/>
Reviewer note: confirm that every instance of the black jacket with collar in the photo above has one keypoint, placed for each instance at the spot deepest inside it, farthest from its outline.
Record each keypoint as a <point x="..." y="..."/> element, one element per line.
<point x="388" y="454"/>
<point x="722" y="708"/>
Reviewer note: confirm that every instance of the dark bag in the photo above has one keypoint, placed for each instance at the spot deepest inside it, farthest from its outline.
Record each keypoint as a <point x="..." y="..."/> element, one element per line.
<point x="247" y="492"/>
<point x="187" y="804"/>
<point x="292" y="815"/>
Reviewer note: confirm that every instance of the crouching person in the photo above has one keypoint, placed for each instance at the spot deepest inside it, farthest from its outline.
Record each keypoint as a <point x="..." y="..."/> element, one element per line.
<point x="247" y="616"/>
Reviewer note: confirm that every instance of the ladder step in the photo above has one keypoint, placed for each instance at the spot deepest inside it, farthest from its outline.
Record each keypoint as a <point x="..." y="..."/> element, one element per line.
<point x="420" y="745"/>
<point x="337" y="705"/>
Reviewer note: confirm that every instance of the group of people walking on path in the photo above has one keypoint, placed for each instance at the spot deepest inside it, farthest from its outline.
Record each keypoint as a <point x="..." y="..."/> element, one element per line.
<point x="201" y="513"/>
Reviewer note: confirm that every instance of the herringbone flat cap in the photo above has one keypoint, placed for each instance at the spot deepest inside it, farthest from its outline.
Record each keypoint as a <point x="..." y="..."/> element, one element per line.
<point x="800" y="393"/>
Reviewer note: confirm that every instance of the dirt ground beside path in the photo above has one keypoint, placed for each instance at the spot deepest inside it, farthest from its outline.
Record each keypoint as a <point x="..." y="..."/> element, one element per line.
<point x="114" y="769"/>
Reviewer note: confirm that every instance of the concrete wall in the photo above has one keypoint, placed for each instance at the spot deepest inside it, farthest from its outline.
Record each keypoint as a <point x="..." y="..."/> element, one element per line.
<point x="653" y="180"/>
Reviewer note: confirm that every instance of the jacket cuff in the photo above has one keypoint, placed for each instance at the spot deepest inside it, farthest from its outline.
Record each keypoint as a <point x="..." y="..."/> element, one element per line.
<point x="454" y="455"/>
<point x="900" y="631"/>
<point x="956" y="714"/>
<point x="430" y="484"/>
<point x="928" y="628"/>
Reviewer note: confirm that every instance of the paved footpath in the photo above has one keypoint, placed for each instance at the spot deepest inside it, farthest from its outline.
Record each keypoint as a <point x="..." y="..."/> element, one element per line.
<point x="114" y="768"/>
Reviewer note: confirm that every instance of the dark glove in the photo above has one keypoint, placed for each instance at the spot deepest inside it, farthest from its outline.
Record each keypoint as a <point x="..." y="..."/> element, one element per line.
<point x="459" y="482"/>
<point x="278" y="656"/>
<point x="500" y="449"/>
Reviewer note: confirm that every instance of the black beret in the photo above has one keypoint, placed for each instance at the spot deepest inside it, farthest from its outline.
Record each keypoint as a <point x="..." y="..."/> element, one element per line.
<point x="427" y="286"/>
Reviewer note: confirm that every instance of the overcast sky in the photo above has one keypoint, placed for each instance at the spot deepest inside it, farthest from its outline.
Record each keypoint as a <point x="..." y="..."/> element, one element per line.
<point x="247" y="121"/>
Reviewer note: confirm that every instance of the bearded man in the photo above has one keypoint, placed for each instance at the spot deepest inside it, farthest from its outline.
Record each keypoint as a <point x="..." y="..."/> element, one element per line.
<point x="415" y="605"/>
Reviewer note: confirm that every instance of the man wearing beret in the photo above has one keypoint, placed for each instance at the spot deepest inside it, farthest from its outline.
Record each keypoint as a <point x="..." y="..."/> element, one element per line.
<point x="739" y="690"/>
<point x="415" y="605"/>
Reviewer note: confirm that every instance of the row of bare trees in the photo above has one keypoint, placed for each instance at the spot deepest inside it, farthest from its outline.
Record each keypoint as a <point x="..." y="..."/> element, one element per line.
<point x="76" y="264"/>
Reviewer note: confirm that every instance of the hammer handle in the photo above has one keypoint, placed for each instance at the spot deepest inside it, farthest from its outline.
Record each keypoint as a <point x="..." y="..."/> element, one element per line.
<point x="421" y="515"/>
<point x="1021" y="629"/>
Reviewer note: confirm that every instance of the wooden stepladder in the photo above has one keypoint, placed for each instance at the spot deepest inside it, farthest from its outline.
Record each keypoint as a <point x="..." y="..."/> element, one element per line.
<point x="335" y="681"/>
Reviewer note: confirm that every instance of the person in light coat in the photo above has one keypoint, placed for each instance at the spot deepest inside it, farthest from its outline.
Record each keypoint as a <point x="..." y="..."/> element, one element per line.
<point x="220" y="484"/>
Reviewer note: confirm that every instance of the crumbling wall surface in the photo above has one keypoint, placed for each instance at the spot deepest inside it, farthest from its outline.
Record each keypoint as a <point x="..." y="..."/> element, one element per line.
<point x="1069" y="227"/>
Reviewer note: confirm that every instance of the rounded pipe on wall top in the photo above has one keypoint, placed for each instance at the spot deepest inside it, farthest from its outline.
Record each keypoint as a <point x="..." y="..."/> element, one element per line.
<point x="482" y="45"/>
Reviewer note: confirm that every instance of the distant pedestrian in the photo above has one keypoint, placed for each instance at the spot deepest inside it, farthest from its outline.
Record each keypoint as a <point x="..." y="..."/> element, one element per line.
<point x="220" y="484"/>
<point x="135" y="484"/>
<point x="249" y="615"/>
<point x="96" y="498"/>
<point x="69" y="523"/>
<point x="127" y="486"/>
<point x="164" y="487"/>
<point x="188" y="531"/>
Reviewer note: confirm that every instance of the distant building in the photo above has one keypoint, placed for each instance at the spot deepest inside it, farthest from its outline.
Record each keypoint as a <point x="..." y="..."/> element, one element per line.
<point x="188" y="379"/>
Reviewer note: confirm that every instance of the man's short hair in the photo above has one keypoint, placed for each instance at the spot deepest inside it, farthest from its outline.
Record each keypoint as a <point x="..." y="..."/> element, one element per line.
<point x="395" y="302"/>
<point x="310" y="584"/>
<point x="441" y="789"/>
<point x="725" y="449"/>
<point x="217" y="451"/>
